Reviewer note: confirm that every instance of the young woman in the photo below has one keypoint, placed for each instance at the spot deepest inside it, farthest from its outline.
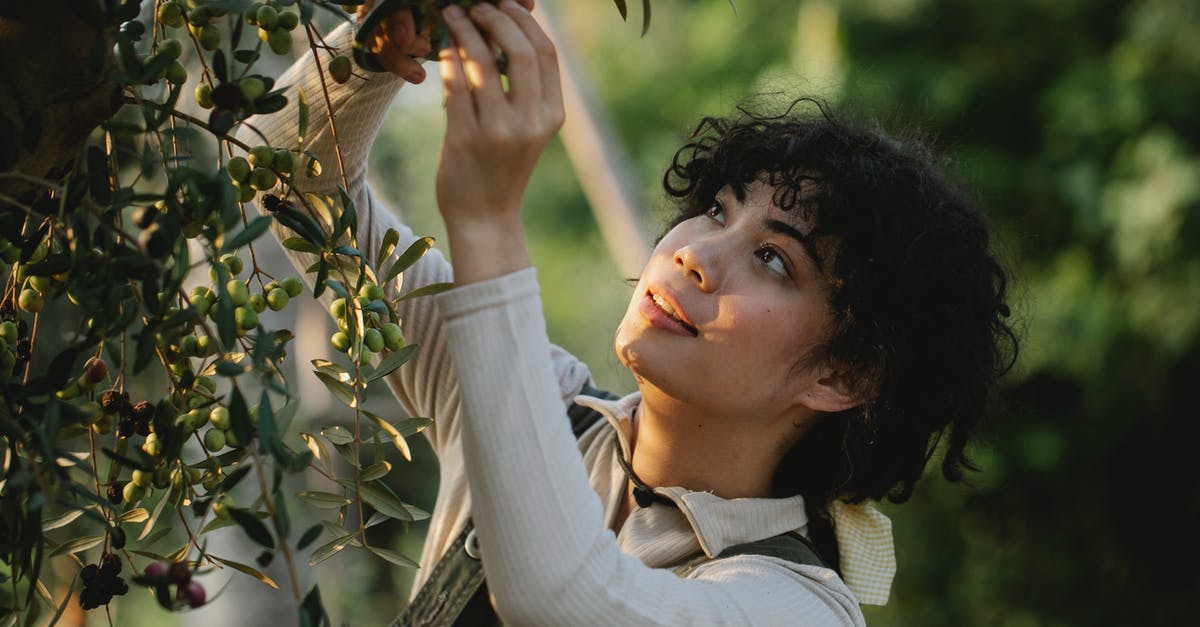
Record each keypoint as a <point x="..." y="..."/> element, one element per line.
<point x="822" y="310"/>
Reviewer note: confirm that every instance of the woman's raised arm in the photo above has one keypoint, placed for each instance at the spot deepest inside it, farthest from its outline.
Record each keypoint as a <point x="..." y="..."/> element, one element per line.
<point x="427" y="385"/>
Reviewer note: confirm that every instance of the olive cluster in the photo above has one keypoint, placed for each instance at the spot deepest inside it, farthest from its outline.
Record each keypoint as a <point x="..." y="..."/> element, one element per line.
<point x="33" y="289"/>
<point x="262" y="168"/>
<point x="14" y="343"/>
<point x="101" y="582"/>
<point x="377" y="334"/>
<point x="187" y="590"/>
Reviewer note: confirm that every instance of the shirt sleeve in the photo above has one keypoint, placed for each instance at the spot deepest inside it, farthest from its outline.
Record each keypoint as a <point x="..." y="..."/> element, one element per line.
<point x="427" y="385"/>
<point x="547" y="555"/>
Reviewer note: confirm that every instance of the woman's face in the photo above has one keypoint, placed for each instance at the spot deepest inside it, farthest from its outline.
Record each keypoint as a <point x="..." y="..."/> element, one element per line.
<point x="727" y="309"/>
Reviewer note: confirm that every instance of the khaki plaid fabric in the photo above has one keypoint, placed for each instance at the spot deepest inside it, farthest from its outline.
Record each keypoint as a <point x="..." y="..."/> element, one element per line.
<point x="868" y="557"/>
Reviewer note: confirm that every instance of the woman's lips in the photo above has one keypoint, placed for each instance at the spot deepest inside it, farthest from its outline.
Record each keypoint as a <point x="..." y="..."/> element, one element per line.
<point x="660" y="318"/>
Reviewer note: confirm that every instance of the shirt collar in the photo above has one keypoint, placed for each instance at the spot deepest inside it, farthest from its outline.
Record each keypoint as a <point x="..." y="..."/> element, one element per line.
<point x="718" y="523"/>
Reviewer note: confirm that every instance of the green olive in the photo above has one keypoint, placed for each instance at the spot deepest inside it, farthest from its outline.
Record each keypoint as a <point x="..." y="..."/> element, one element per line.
<point x="238" y="292"/>
<point x="210" y="37"/>
<point x="219" y="417"/>
<point x="262" y="156"/>
<point x="393" y="338"/>
<point x="239" y="169"/>
<point x="339" y="69"/>
<point x="263" y="179"/>
<point x="30" y="301"/>
<point x="340" y="341"/>
<point x="277" y="299"/>
<point x="292" y="285"/>
<point x="245" y="317"/>
<point x="373" y="340"/>
<point x="204" y="96"/>
<point x="214" y="440"/>
<point x="280" y="41"/>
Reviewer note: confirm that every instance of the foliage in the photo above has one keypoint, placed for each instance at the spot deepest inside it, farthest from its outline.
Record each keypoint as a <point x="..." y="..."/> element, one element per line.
<point x="1075" y="122"/>
<point x="98" y="251"/>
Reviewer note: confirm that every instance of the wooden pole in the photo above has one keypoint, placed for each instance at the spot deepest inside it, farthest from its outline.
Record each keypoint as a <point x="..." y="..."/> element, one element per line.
<point x="598" y="158"/>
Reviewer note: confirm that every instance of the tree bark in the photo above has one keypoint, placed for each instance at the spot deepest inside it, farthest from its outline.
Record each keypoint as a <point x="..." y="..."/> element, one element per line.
<point x="56" y="64"/>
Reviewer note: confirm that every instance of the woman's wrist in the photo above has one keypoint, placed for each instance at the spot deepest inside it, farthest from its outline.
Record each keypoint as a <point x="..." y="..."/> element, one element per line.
<point x="485" y="250"/>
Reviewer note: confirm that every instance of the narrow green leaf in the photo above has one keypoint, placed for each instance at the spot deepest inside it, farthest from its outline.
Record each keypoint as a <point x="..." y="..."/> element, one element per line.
<point x="149" y="554"/>
<point x="397" y="439"/>
<point x="318" y="450"/>
<point x="390" y="239"/>
<point x="375" y="519"/>
<point x="645" y="16"/>
<point x="393" y="557"/>
<point x="232" y="479"/>
<point x="337" y="435"/>
<point x="157" y="535"/>
<point x="333" y="369"/>
<point x="300" y="244"/>
<point x="312" y="612"/>
<point x="255" y="228"/>
<point x="412" y="426"/>
<point x="307" y="537"/>
<point x="214" y="524"/>
<point x="253" y="527"/>
<point x="249" y="570"/>
<point x="348" y="221"/>
<point x="392" y="362"/>
<point x="341" y="391"/>
<point x="76" y="545"/>
<point x="330" y="549"/>
<point x="338" y="288"/>
<point x="409" y="257"/>
<point x="428" y="290"/>
<point x="323" y="500"/>
<point x="381" y="498"/>
<point x="622" y="9"/>
<point x="302" y="113"/>
<point x="61" y="521"/>
<point x="239" y="417"/>
<point x="376" y="471"/>
<point x="135" y="515"/>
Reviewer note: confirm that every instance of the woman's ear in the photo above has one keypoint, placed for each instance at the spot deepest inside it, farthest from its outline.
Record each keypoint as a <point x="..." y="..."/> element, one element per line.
<point x="837" y="389"/>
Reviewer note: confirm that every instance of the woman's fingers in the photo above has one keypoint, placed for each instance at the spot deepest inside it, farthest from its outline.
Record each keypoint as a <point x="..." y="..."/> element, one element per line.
<point x="477" y="58"/>
<point x="543" y="47"/>
<point x="460" y="108"/>
<point x="524" y="79"/>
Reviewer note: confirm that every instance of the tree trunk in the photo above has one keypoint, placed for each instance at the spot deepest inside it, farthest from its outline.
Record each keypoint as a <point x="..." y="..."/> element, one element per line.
<point x="55" y="66"/>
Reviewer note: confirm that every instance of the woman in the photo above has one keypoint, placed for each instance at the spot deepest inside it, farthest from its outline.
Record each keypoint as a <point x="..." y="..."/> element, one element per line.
<point x="822" y="310"/>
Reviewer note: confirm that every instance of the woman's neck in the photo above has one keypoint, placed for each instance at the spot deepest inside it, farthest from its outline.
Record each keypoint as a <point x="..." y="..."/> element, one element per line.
<point x="674" y="444"/>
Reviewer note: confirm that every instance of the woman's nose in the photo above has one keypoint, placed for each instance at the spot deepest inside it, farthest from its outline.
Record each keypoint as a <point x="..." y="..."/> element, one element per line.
<point x="697" y="261"/>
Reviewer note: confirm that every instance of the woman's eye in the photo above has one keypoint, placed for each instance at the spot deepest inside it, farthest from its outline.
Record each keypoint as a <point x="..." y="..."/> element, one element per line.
<point x="716" y="212"/>
<point x="772" y="260"/>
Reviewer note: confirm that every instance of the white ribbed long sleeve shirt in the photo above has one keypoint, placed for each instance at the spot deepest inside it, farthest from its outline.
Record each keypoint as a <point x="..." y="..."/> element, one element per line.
<point x="542" y="501"/>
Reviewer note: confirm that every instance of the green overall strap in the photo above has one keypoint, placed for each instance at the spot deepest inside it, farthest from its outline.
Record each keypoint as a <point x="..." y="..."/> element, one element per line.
<point x="790" y="546"/>
<point x="456" y="593"/>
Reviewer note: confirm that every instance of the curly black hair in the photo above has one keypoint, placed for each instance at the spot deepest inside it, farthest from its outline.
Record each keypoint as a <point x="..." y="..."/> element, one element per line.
<point x="920" y="316"/>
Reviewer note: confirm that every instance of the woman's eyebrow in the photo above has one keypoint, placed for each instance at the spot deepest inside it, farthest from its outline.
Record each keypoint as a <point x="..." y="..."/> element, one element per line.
<point x="805" y="242"/>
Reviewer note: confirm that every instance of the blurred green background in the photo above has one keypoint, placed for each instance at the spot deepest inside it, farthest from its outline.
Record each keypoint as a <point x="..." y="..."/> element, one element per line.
<point x="1075" y="120"/>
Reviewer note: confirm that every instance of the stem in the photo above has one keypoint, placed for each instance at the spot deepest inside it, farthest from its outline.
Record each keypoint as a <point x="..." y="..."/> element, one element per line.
<point x="190" y="119"/>
<point x="337" y="145"/>
<point x="269" y="502"/>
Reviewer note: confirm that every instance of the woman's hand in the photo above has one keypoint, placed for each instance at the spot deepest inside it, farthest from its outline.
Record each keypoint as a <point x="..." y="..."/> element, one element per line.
<point x="397" y="44"/>
<point x="493" y="136"/>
